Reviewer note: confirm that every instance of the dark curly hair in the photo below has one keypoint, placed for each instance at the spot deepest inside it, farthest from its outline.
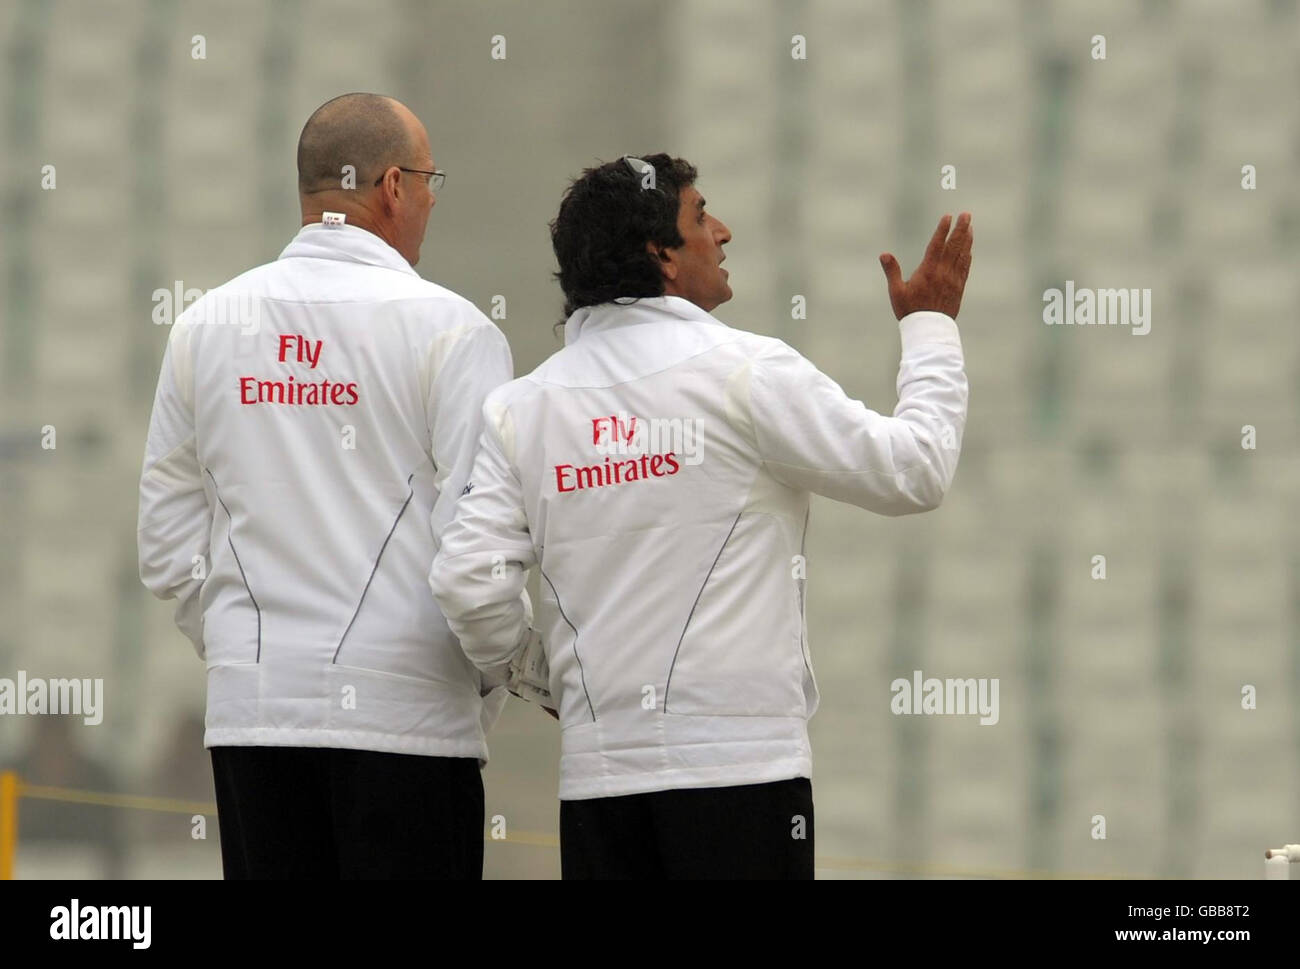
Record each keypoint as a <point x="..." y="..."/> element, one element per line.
<point x="606" y="218"/>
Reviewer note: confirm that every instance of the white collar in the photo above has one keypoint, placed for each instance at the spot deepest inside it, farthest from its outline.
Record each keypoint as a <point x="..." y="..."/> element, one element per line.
<point x="348" y="243"/>
<point x="630" y="310"/>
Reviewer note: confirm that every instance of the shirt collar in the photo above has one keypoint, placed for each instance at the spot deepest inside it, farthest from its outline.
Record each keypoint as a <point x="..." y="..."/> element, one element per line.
<point x="348" y="243"/>
<point x="627" y="311"/>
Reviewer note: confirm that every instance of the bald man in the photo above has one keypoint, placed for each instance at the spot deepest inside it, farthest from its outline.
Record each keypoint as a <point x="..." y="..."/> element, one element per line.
<point x="314" y="425"/>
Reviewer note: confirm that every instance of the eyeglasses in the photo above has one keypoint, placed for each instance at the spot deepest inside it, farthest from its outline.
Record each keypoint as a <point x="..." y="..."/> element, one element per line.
<point x="638" y="166"/>
<point x="644" y="171"/>
<point x="436" y="177"/>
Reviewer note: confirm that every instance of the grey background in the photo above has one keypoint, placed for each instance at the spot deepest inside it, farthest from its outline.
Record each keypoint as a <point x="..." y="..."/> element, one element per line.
<point x="1119" y="698"/>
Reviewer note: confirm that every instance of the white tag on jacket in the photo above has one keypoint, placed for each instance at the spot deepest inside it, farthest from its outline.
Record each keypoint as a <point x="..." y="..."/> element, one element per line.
<point x="333" y="218"/>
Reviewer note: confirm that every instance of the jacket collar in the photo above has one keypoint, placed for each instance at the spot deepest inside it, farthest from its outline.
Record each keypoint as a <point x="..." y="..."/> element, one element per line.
<point x="628" y="311"/>
<point x="347" y="243"/>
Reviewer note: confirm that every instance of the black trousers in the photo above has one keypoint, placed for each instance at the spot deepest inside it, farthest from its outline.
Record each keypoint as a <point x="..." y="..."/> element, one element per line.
<point x="753" y="831"/>
<point x="321" y="813"/>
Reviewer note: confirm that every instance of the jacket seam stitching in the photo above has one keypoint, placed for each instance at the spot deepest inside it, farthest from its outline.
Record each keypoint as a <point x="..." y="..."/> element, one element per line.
<point x="803" y="592"/>
<point x="230" y="539"/>
<point x="691" y="614"/>
<point x="375" y="568"/>
<point x="582" y="675"/>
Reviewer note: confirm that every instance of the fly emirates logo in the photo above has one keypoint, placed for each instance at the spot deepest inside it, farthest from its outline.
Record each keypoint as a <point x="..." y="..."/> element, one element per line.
<point x="633" y="452"/>
<point x="290" y="390"/>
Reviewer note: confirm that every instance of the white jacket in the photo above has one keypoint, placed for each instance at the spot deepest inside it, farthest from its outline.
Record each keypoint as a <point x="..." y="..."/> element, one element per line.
<point x="672" y="574"/>
<point x="297" y="536"/>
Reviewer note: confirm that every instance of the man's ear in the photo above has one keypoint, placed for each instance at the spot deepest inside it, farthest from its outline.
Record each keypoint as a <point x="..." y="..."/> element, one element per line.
<point x="664" y="257"/>
<point x="396" y="181"/>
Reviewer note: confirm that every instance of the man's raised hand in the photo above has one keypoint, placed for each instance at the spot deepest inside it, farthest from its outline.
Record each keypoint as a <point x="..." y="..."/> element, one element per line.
<point x="940" y="280"/>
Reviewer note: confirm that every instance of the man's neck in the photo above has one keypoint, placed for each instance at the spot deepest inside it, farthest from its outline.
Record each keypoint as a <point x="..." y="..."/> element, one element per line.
<point x="352" y="218"/>
<point x="353" y="214"/>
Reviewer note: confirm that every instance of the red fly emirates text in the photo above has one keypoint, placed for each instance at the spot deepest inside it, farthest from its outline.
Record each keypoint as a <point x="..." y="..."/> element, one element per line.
<point x="615" y="435"/>
<point x="253" y="390"/>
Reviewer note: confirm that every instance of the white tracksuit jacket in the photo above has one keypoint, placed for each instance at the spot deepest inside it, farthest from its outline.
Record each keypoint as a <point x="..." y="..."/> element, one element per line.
<point x="672" y="608"/>
<point x="315" y="423"/>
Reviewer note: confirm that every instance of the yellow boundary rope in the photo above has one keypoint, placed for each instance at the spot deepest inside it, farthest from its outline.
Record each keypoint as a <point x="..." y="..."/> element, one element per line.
<point x="137" y="802"/>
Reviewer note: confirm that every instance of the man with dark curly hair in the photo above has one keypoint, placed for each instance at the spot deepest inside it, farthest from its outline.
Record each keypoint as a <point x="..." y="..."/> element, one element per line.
<point x="658" y="471"/>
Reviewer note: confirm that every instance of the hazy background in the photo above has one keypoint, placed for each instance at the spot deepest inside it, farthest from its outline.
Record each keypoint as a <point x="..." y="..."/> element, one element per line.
<point x="1119" y="697"/>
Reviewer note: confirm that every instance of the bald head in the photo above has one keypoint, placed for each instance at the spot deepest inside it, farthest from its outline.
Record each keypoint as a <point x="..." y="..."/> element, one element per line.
<point x="392" y="192"/>
<point x="367" y="131"/>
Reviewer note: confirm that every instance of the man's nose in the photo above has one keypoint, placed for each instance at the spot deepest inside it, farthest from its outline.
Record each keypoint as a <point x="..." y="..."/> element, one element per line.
<point x="723" y="233"/>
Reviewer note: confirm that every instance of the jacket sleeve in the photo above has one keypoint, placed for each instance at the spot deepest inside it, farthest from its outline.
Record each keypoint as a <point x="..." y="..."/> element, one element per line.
<point x="175" y="521"/>
<point x="479" y="574"/>
<point x="475" y="365"/>
<point x="813" y="437"/>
